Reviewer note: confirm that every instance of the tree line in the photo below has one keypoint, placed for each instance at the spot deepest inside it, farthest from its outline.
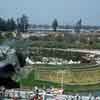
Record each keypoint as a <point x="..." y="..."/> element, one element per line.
<point x="7" y="25"/>
<point x="20" y="25"/>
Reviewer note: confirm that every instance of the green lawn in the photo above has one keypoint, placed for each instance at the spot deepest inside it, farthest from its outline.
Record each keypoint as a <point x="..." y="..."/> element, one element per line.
<point x="87" y="80"/>
<point x="67" y="88"/>
<point x="64" y="44"/>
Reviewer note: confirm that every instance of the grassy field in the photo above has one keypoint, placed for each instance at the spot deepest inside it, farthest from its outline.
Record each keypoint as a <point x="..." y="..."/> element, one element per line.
<point x="67" y="88"/>
<point x="65" y="44"/>
<point x="71" y="74"/>
<point x="48" y="75"/>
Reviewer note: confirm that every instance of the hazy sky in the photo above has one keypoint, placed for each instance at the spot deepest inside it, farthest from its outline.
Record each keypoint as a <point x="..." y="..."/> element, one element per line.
<point x="44" y="11"/>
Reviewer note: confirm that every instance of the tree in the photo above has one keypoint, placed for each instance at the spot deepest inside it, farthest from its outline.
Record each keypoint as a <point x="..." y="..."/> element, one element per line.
<point x="7" y="25"/>
<point x="3" y="26"/>
<point x="21" y="57"/>
<point x="22" y="24"/>
<point x="11" y="25"/>
<point x="78" y="26"/>
<point x="55" y="24"/>
<point x="18" y="25"/>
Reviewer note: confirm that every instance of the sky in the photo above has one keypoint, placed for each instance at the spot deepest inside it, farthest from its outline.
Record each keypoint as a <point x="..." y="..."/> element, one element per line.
<point x="45" y="11"/>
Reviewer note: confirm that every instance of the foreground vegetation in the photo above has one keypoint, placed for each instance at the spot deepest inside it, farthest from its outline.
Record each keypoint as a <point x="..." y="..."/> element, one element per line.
<point x="73" y="81"/>
<point x="76" y="77"/>
<point x="30" y="82"/>
<point x="67" y="88"/>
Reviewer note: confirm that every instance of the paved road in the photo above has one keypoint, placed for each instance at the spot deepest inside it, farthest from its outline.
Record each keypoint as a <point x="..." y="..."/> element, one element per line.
<point x="94" y="51"/>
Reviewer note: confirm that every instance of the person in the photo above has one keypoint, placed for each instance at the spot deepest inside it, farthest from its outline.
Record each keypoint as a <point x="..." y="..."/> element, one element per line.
<point x="77" y="98"/>
<point x="37" y="97"/>
<point x="14" y="98"/>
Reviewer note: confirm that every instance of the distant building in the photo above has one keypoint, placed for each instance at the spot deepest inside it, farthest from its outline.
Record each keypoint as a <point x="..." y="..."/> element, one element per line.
<point x="91" y="36"/>
<point x="56" y="34"/>
<point x="36" y="34"/>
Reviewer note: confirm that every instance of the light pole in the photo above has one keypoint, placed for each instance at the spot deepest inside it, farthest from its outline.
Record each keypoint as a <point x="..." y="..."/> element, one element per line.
<point x="62" y="80"/>
<point x="62" y="72"/>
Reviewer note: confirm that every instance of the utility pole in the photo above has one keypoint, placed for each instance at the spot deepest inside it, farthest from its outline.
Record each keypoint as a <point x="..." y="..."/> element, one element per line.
<point x="61" y="72"/>
<point x="62" y="80"/>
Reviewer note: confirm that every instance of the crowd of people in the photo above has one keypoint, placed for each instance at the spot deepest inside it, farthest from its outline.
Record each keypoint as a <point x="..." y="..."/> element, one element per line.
<point x="37" y="95"/>
<point x="19" y="94"/>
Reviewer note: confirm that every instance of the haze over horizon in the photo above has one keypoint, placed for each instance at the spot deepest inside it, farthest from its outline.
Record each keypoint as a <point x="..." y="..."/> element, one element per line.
<point x="44" y="11"/>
